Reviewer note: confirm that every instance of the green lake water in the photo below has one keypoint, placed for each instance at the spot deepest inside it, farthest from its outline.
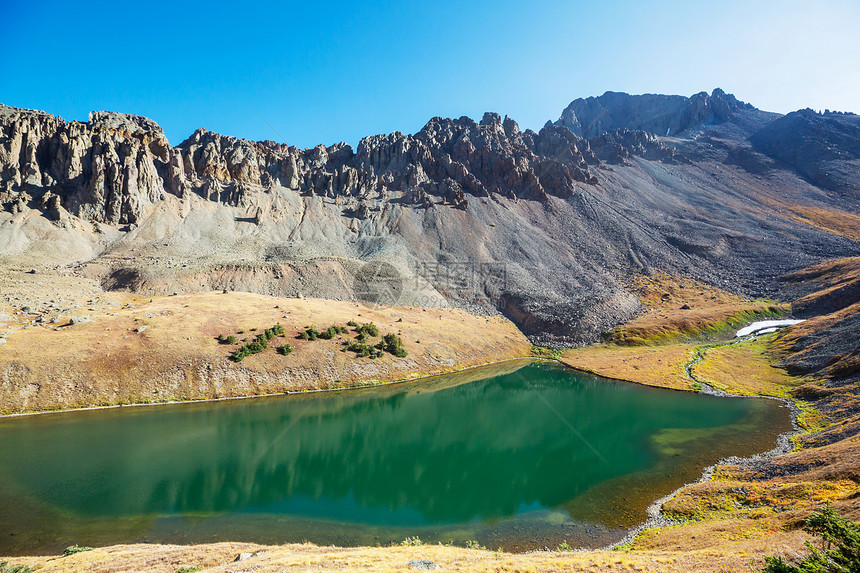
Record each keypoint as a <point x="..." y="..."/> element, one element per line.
<point x="521" y="455"/>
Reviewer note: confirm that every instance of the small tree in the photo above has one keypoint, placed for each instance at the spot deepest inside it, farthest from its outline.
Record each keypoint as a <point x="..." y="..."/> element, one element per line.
<point x="841" y="547"/>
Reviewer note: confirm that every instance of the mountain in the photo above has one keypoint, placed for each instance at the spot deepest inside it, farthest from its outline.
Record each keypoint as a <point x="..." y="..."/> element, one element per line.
<point x="545" y="227"/>
<point x="658" y="114"/>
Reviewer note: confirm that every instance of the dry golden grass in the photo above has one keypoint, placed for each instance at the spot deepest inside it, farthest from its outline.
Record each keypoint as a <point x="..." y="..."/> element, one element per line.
<point x="654" y="348"/>
<point x="661" y="366"/>
<point x="711" y="310"/>
<point x="832" y="220"/>
<point x="746" y="368"/>
<point x="727" y="497"/>
<point x="307" y="557"/>
<point x="176" y="356"/>
<point x="735" y="519"/>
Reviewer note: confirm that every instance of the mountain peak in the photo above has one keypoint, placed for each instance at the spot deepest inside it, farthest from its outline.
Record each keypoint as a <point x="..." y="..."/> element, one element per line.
<point x="657" y="113"/>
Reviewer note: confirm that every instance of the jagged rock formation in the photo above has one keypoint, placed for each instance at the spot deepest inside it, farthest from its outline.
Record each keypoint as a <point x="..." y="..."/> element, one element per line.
<point x="659" y="114"/>
<point x="542" y="226"/>
<point x="106" y="170"/>
<point x="109" y="169"/>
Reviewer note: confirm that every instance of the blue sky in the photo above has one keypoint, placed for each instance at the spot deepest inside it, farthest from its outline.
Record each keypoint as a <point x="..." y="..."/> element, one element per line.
<point x="321" y="72"/>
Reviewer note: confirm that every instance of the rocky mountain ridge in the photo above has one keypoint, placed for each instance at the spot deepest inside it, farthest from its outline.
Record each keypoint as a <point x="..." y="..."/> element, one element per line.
<point x="562" y="220"/>
<point x="109" y="169"/>
<point x="659" y="114"/>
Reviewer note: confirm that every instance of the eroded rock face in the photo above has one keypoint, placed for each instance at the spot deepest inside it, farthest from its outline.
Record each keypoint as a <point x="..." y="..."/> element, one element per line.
<point x="659" y="114"/>
<point x="110" y="168"/>
<point x="620" y="145"/>
<point x="105" y="170"/>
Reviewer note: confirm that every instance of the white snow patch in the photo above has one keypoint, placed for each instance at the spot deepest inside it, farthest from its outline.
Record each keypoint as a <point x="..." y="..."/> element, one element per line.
<point x="765" y="326"/>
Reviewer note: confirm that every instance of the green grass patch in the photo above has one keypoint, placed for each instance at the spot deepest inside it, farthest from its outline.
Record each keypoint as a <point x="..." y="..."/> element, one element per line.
<point x="72" y="549"/>
<point x="716" y="330"/>
<point x="546" y="352"/>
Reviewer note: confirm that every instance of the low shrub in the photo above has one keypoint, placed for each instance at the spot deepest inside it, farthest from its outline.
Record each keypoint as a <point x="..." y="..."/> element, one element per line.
<point x="393" y="344"/>
<point x="310" y="333"/>
<point x="363" y="349"/>
<point x="259" y="344"/>
<point x="841" y="552"/>
<point x="226" y="339"/>
<point x="545" y="352"/>
<point x="285" y="349"/>
<point x="370" y="329"/>
<point x="331" y="332"/>
<point x="72" y="549"/>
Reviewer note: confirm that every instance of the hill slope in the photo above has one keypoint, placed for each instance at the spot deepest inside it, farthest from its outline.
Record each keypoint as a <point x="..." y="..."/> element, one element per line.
<point x="540" y="226"/>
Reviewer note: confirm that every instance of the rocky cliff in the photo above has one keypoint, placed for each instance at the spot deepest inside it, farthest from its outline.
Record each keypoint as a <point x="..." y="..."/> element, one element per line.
<point x="659" y="114"/>
<point x="542" y="226"/>
<point x="110" y="168"/>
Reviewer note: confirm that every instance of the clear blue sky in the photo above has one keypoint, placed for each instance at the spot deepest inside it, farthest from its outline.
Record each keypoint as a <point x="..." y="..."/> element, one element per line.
<point x="322" y="72"/>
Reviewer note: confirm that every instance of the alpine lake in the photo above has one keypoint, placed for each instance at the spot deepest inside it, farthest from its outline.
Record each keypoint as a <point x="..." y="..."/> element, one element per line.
<point x="520" y="455"/>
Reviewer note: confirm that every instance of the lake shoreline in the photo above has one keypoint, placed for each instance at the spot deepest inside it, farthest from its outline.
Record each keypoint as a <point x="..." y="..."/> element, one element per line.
<point x="421" y="386"/>
<point x="655" y="508"/>
<point x="288" y="392"/>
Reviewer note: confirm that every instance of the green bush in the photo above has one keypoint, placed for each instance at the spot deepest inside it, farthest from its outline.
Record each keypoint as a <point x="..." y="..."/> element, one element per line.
<point x="72" y="549"/>
<point x="259" y="344"/>
<point x="352" y="323"/>
<point x="842" y="547"/>
<point x="190" y="569"/>
<point x="285" y="349"/>
<point x="545" y="352"/>
<point x="226" y="339"/>
<point x="393" y="344"/>
<point x="360" y="349"/>
<point x="330" y="332"/>
<point x="276" y="330"/>
<point x="310" y="333"/>
<point x="369" y="329"/>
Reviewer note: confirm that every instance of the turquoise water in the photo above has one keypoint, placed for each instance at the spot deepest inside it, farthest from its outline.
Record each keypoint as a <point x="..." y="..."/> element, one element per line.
<point x="518" y="456"/>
